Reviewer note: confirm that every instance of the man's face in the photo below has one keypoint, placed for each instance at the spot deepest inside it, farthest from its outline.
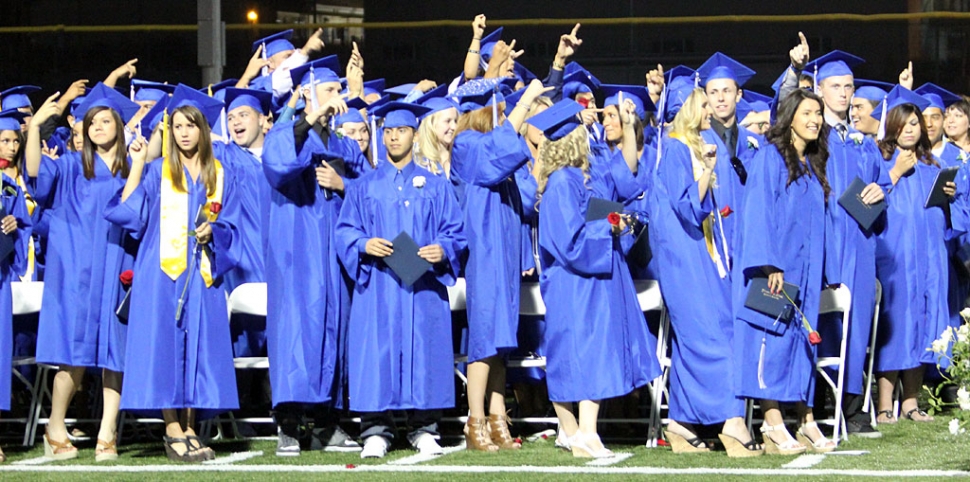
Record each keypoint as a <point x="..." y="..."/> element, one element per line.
<point x="722" y="97"/>
<point x="836" y="93"/>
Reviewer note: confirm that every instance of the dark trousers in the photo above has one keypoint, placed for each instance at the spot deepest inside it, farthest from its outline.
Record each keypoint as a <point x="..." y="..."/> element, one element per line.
<point x="381" y="423"/>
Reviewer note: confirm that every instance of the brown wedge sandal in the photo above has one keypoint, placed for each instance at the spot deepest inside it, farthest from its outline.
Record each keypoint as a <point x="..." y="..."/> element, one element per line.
<point x="106" y="451"/>
<point x="476" y="436"/>
<point x="499" y="429"/>
<point x="59" y="450"/>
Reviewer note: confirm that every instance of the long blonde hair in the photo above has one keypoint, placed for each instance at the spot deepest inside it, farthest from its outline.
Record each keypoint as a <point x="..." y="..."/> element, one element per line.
<point x="687" y="123"/>
<point x="572" y="150"/>
<point x="428" y="145"/>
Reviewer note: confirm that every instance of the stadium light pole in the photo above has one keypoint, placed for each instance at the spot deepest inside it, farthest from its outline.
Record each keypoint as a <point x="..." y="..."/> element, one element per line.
<point x="212" y="40"/>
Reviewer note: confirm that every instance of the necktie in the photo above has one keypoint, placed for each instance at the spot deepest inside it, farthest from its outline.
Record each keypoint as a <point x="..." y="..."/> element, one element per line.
<point x="841" y="129"/>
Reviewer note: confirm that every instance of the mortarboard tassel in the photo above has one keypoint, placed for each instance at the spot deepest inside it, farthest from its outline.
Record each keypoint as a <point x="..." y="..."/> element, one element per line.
<point x="210" y="90"/>
<point x="373" y="139"/>
<point x="131" y="91"/>
<point x="165" y="136"/>
<point x="662" y="115"/>
<point x="313" y="90"/>
<point x="882" y="120"/>
<point x="494" y="110"/>
<point x="697" y="79"/>
<point x="818" y="89"/>
<point x="265" y="69"/>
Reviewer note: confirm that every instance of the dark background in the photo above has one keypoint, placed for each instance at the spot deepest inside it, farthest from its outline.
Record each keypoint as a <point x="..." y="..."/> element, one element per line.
<point x="940" y="49"/>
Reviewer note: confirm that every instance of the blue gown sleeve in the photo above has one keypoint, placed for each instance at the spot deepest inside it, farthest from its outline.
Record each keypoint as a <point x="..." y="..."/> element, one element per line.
<point x="677" y="174"/>
<point x="759" y="209"/>
<point x="583" y="248"/>
<point x="628" y="185"/>
<point x="876" y="169"/>
<point x="351" y="238"/>
<point x="488" y="159"/>
<point x="227" y="242"/>
<point x="450" y="235"/>
<point x="45" y="184"/>
<point x="14" y="204"/>
<point x="133" y="213"/>
<point x="281" y="161"/>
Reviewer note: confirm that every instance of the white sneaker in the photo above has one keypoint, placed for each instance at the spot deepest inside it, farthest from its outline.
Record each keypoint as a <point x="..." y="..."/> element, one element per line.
<point x="427" y="445"/>
<point x="375" y="447"/>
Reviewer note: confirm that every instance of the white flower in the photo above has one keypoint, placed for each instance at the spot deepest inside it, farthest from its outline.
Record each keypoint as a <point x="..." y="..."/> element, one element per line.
<point x="963" y="396"/>
<point x="954" y="426"/>
<point x="962" y="157"/>
<point x="418" y="181"/>
<point x="753" y="143"/>
<point x="857" y="137"/>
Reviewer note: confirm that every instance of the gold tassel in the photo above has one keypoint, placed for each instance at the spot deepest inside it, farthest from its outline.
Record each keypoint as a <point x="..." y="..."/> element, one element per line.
<point x="165" y="135"/>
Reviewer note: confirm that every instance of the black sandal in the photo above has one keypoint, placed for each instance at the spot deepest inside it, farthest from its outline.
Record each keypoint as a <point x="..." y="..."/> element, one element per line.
<point x="190" y="454"/>
<point x="909" y="415"/>
<point x="196" y="444"/>
<point x="889" y="416"/>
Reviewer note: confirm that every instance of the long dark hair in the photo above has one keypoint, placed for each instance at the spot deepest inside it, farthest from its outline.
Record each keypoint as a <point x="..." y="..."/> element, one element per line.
<point x="206" y="158"/>
<point x="816" y="152"/>
<point x="896" y="120"/>
<point x="120" y="162"/>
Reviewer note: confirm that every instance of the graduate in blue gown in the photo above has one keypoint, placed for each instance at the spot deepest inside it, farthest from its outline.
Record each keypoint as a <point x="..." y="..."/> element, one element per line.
<point x="783" y="226"/>
<point x="85" y="256"/>
<point x="183" y="208"/>
<point x="400" y="355"/>
<point x="308" y="292"/>
<point x="597" y="342"/>
<point x="487" y="152"/>
<point x="695" y="279"/>
<point x="17" y="226"/>
<point x="911" y="259"/>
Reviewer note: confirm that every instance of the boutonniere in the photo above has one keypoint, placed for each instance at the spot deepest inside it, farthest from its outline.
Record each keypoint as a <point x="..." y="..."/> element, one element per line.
<point x="753" y="143"/>
<point x="857" y="137"/>
<point x="340" y="133"/>
<point x="419" y="182"/>
<point x="962" y="157"/>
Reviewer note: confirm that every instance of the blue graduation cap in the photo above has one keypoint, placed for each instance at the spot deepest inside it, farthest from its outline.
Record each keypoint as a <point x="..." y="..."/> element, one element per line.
<point x="184" y="95"/>
<point x="322" y="70"/>
<point x="897" y="97"/>
<point x="873" y="90"/>
<point x="401" y="114"/>
<point x="576" y="83"/>
<point x="152" y="118"/>
<point x="16" y="97"/>
<point x="374" y="87"/>
<point x="720" y="66"/>
<point x="833" y="64"/>
<point x="523" y="74"/>
<point x="102" y="95"/>
<point x="439" y="91"/>
<point x="353" y="112"/>
<point x="146" y="90"/>
<point x="678" y="90"/>
<point x="276" y="43"/>
<point x="638" y="94"/>
<point x="478" y="93"/>
<point x="559" y="120"/>
<point x="438" y="104"/>
<point x="11" y="119"/>
<point x="76" y="103"/>
<point x="937" y="96"/>
<point x="751" y="96"/>
<point x="679" y="71"/>
<point x="400" y="90"/>
<point x="217" y="90"/>
<point x="512" y="99"/>
<point x="487" y="44"/>
<point x="576" y="67"/>
<point x="260" y="100"/>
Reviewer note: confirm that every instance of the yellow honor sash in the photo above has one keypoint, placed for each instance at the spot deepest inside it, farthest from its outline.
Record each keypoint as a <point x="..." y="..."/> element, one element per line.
<point x="174" y="233"/>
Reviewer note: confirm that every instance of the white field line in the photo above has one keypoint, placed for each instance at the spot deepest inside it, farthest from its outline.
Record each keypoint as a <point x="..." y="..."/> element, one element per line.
<point x="234" y="457"/>
<point x="419" y="458"/>
<point x="34" y="461"/>
<point x="804" y="461"/>
<point x="615" y="459"/>
<point x="447" y="469"/>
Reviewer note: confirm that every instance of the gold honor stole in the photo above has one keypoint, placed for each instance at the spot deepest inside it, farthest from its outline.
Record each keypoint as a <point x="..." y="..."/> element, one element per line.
<point x="174" y="233"/>
<point x="31" y="206"/>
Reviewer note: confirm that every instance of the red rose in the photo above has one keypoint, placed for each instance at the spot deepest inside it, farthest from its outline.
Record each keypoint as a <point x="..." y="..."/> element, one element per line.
<point x="4" y="163"/>
<point x="814" y="338"/>
<point x="726" y="211"/>
<point x="126" y="277"/>
<point x="614" y="219"/>
<point x="215" y="208"/>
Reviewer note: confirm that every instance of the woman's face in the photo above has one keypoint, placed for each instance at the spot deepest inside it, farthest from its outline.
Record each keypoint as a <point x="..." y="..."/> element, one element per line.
<point x="358" y="132"/>
<point x="186" y="132"/>
<point x="807" y="120"/>
<point x="445" y="124"/>
<point x="532" y="133"/>
<point x="705" y="114"/>
<point x="103" y="130"/>
<point x="910" y="134"/>
<point x="611" y="124"/>
<point x="956" y="123"/>
<point x="77" y="136"/>
<point x="9" y="144"/>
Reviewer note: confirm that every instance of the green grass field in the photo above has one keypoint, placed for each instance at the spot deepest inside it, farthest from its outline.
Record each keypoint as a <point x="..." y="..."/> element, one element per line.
<point x="907" y="446"/>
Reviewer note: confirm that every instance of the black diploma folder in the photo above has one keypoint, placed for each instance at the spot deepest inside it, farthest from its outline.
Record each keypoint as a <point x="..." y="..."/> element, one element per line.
<point x="6" y="240"/>
<point x="761" y="299"/>
<point x="601" y="208"/>
<point x="851" y="201"/>
<point x="405" y="262"/>
<point x="937" y="197"/>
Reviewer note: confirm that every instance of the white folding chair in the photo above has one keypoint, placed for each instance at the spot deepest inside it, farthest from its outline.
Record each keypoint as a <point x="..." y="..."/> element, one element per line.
<point x="456" y="300"/>
<point x="867" y="402"/>
<point x="530" y="304"/>
<point x="837" y="300"/>
<point x="27" y="298"/>
<point x="650" y="299"/>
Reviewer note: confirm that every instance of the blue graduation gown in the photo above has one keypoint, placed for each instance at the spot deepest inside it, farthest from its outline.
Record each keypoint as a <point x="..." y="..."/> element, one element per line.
<point x="402" y="355"/>
<point x="850" y="252"/>
<point x="85" y="255"/>
<point x="308" y="292"/>
<point x="597" y="342"/>
<point x="185" y="363"/>
<point x="698" y="300"/>
<point x="728" y="190"/>
<point x="783" y="227"/>
<point x="492" y="208"/>
<point x="912" y="265"/>
<point x="643" y="206"/>
<point x="11" y="268"/>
